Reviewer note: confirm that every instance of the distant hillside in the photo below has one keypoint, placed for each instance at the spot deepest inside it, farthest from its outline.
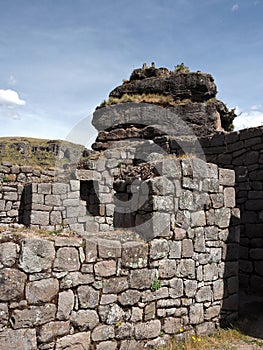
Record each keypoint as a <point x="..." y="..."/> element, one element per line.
<point x="40" y="152"/>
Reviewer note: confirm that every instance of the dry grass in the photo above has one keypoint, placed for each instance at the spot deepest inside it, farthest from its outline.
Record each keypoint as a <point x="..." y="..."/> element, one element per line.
<point x="35" y="152"/>
<point x="157" y="99"/>
<point x="223" y="339"/>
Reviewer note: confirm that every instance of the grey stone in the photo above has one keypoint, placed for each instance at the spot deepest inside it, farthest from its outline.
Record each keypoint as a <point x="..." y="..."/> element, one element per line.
<point x="187" y="248"/>
<point x="210" y="272"/>
<point x="186" y="268"/>
<point x="177" y="288"/>
<point x="53" y="330"/>
<point x="147" y="330"/>
<point x="12" y="284"/>
<point x="109" y="248"/>
<point x="8" y="253"/>
<point x="229" y="197"/>
<point x="4" y="315"/>
<point x="107" y="345"/>
<point x="115" y="285"/>
<point x="135" y="254"/>
<point x="204" y="294"/>
<point x="88" y="297"/>
<point x="159" y="248"/>
<point x="124" y="330"/>
<point x="20" y="339"/>
<point x="103" y="332"/>
<point x="108" y="299"/>
<point x="105" y="268"/>
<point x="60" y="188"/>
<point x="65" y="304"/>
<point x="149" y="311"/>
<point x="172" y="325"/>
<point x="76" y="341"/>
<point x="129" y="297"/>
<point x="196" y="313"/>
<point x="42" y="291"/>
<point x="36" y="255"/>
<point x="39" y="218"/>
<point x="218" y="289"/>
<point x="33" y="316"/>
<point x="212" y="312"/>
<point x="76" y="278"/>
<point x="141" y="279"/>
<point x="91" y="250"/>
<point x="167" y="268"/>
<point x="175" y="248"/>
<point x="137" y="314"/>
<point x="67" y="259"/>
<point x="198" y="218"/>
<point x="226" y="177"/>
<point x="84" y="319"/>
<point x="190" y="287"/>
<point x="111" y="314"/>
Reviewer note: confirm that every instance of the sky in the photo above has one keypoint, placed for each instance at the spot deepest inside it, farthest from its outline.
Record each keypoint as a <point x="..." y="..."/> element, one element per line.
<point x="59" y="59"/>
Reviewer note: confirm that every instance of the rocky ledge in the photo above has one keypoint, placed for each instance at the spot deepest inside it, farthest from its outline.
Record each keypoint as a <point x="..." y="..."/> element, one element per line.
<point x="176" y="102"/>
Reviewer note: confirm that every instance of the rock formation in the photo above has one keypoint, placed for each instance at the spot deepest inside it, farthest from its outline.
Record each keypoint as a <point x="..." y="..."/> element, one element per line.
<point x="179" y="95"/>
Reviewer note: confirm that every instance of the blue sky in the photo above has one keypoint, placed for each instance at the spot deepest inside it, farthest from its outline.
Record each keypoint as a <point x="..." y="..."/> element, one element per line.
<point x="60" y="58"/>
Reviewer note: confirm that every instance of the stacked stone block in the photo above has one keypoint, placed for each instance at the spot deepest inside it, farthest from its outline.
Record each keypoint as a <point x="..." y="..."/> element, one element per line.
<point x="10" y="197"/>
<point x="10" y="173"/>
<point x="114" y="291"/>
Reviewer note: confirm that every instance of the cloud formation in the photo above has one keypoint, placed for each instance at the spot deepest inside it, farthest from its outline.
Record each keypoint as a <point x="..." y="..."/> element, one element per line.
<point x="10" y="98"/>
<point x="248" y="120"/>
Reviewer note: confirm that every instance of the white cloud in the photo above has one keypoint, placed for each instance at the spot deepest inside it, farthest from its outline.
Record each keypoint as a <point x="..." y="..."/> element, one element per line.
<point x="10" y="98"/>
<point x="235" y="7"/>
<point x="248" y="119"/>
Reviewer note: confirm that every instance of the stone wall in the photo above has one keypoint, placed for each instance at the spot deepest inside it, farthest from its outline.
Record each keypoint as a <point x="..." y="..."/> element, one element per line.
<point x="243" y="152"/>
<point x="10" y="173"/>
<point x="115" y="291"/>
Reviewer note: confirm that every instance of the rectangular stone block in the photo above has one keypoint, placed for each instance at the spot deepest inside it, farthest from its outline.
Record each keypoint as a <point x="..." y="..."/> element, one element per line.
<point x="39" y="218"/>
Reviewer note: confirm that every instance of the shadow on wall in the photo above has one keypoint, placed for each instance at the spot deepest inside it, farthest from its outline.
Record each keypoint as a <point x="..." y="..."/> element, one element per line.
<point x="230" y="306"/>
<point x="25" y="208"/>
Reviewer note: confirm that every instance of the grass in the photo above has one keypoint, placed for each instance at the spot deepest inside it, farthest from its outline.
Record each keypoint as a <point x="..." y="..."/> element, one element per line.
<point x="157" y="99"/>
<point x="222" y="339"/>
<point x="37" y="152"/>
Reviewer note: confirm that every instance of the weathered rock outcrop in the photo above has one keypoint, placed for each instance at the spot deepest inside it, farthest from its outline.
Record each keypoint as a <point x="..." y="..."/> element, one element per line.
<point x="173" y="103"/>
<point x="196" y="86"/>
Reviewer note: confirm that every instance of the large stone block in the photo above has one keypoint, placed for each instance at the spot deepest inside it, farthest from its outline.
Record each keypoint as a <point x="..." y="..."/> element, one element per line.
<point x="65" y="304"/>
<point x="84" y="319"/>
<point x="196" y="313"/>
<point x="88" y="297"/>
<point x="20" y="339"/>
<point x="129" y="297"/>
<point x="39" y="218"/>
<point x="76" y="341"/>
<point x="36" y="255"/>
<point x="141" y="279"/>
<point x="147" y="330"/>
<point x="105" y="268"/>
<point x="33" y="316"/>
<point x="41" y="291"/>
<point x="67" y="259"/>
<point x="135" y="254"/>
<point x="52" y="330"/>
<point x="8" y="253"/>
<point x="102" y="332"/>
<point x="115" y="285"/>
<point x="12" y="284"/>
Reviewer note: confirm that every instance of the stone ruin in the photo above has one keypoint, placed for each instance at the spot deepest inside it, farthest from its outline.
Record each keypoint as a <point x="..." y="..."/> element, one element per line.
<point x="168" y="215"/>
